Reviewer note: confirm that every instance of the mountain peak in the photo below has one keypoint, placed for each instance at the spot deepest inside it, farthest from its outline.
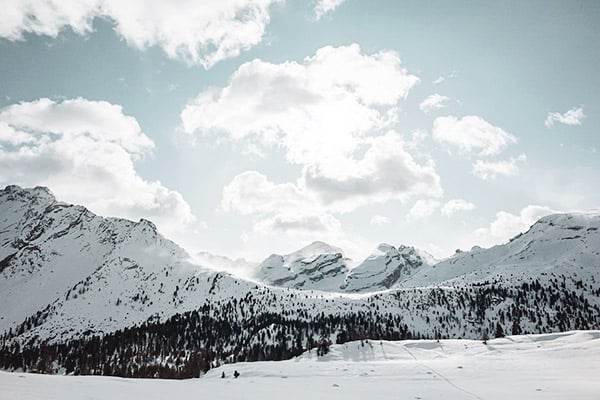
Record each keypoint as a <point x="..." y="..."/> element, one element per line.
<point x="315" y="266"/>
<point x="316" y="248"/>
<point x="386" y="267"/>
<point x="38" y="192"/>
<point x="143" y="222"/>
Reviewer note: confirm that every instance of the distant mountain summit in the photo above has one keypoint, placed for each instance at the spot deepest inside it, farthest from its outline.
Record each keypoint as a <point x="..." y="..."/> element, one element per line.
<point x="317" y="266"/>
<point x="560" y="244"/>
<point x="386" y="267"/>
<point x="320" y="266"/>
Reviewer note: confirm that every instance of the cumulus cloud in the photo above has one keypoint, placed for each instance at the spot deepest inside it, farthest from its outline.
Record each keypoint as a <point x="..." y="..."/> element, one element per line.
<point x="85" y="152"/>
<point x="319" y="109"/>
<point x="433" y="102"/>
<point x="330" y="114"/>
<point x="507" y="225"/>
<point x="455" y="205"/>
<point x="422" y="208"/>
<point x="197" y="32"/>
<point x="325" y="6"/>
<point x="379" y="220"/>
<point x="387" y="171"/>
<point x="472" y="134"/>
<point x="252" y="193"/>
<point x="574" y="116"/>
<point x="327" y="114"/>
<point x="489" y="170"/>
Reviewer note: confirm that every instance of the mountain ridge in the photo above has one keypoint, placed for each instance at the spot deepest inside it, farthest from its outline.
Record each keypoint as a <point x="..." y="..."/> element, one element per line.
<point x="71" y="279"/>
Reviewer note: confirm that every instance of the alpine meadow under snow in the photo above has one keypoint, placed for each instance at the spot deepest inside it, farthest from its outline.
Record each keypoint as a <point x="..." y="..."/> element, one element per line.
<point x="551" y="366"/>
<point x="336" y="199"/>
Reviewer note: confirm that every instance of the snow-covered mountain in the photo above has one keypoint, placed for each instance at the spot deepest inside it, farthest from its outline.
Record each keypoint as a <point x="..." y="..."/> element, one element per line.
<point x="78" y="271"/>
<point x="559" y="244"/>
<point x="317" y="266"/>
<point x="70" y="279"/>
<point x="386" y="267"/>
<point x="320" y="266"/>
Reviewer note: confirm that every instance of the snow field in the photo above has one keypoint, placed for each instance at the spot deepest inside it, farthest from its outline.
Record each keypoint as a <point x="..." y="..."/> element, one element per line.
<point x="550" y="366"/>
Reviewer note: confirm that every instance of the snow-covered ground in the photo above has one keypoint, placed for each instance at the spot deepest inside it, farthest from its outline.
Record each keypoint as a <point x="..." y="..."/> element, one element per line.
<point x="551" y="366"/>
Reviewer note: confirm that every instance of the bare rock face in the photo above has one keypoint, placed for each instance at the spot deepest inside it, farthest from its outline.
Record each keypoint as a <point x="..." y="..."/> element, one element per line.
<point x="317" y="266"/>
<point x="323" y="267"/>
<point x="385" y="268"/>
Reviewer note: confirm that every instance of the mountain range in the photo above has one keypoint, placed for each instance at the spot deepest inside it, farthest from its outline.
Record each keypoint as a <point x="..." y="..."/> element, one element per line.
<point x="80" y="292"/>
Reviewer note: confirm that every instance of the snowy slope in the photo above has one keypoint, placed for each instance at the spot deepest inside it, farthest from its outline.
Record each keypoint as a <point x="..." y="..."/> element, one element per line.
<point x="560" y="244"/>
<point x="554" y="366"/>
<point x="47" y="247"/>
<point x="75" y="271"/>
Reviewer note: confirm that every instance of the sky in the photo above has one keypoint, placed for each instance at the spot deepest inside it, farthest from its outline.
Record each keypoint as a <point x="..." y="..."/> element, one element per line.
<point x="251" y="127"/>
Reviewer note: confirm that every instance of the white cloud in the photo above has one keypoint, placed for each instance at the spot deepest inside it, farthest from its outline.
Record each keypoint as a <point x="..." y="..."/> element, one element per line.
<point x="471" y="133"/>
<point x="325" y="6"/>
<point x="252" y="193"/>
<point x="199" y="32"/>
<point x="572" y="117"/>
<point x="379" y="220"/>
<point x="438" y="80"/>
<point x="387" y="171"/>
<point x="327" y="113"/>
<point x="489" y="170"/>
<point x="317" y="110"/>
<point x="11" y="136"/>
<point x="422" y="208"/>
<point x="454" y="205"/>
<point x="507" y="225"/>
<point x="433" y="102"/>
<point x="46" y="17"/>
<point x="417" y="139"/>
<point x="84" y="151"/>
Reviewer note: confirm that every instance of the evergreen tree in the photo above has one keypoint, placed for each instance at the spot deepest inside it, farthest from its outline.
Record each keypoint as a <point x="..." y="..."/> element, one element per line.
<point x="499" y="331"/>
<point x="516" y="327"/>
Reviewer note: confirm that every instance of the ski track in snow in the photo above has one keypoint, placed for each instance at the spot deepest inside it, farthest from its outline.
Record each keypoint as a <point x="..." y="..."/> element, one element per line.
<point x="441" y="375"/>
<point x="550" y="366"/>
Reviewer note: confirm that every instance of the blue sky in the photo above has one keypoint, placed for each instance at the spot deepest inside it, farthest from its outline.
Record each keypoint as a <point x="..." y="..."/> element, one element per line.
<point x="251" y="127"/>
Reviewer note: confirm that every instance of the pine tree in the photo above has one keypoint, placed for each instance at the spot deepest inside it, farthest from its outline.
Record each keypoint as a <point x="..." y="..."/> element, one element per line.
<point x="499" y="331"/>
<point x="516" y="327"/>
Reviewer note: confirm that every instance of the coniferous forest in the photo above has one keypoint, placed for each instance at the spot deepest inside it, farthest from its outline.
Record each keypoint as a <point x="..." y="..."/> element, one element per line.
<point x="188" y="344"/>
